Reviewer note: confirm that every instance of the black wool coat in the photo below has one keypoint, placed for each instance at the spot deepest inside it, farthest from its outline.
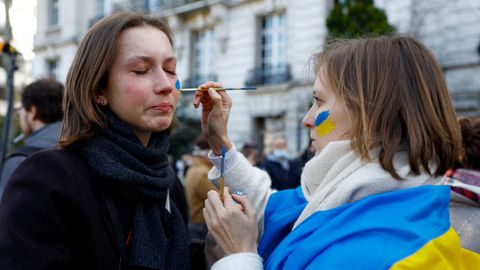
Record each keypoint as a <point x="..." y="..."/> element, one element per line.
<point x="53" y="215"/>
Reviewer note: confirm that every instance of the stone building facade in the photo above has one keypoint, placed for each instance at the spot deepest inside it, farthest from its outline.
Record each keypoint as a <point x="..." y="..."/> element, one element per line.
<point x="267" y="44"/>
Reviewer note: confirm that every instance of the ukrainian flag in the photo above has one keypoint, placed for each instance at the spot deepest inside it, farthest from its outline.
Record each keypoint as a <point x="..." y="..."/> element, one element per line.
<point x="406" y="229"/>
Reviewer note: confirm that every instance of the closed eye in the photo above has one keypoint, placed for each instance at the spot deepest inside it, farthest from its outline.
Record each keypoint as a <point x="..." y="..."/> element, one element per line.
<point x="317" y="100"/>
<point x="171" y="72"/>
<point x="140" y="71"/>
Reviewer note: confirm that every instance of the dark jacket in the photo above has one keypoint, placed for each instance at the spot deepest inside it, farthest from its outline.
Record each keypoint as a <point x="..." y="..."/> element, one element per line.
<point x="282" y="178"/>
<point x="44" y="138"/>
<point x="53" y="216"/>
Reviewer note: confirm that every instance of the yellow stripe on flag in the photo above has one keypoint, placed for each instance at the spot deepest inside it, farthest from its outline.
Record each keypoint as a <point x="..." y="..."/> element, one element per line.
<point x="443" y="252"/>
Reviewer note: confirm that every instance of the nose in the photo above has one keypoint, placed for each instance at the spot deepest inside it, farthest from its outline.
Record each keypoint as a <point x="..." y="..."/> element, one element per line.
<point x="163" y="83"/>
<point x="308" y="121"/>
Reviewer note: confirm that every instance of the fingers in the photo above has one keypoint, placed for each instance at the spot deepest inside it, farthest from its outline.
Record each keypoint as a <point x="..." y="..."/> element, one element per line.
<point x="213" y="202"/>
<point x="246" y="205"/>
<point x="215" y="96"/>
<point x="203" y="95"/>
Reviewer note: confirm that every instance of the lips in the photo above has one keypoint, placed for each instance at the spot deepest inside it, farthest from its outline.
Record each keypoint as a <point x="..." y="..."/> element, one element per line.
<point x="163" y="107"/>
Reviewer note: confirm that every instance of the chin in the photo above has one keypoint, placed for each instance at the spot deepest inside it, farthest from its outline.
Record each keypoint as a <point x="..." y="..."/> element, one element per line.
<point x="162" y="125"/>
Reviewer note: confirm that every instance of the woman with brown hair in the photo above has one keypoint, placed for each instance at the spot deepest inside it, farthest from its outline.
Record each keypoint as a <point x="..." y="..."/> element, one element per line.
<point x="385" y="130"/>
<point x="104" y="198"/>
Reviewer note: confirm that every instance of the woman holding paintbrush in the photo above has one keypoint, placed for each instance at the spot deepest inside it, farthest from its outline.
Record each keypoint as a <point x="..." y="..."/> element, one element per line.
<point x="384" y="130"/>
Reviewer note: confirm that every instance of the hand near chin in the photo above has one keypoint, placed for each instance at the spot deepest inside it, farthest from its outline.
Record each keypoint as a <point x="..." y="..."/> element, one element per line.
<point x="216" y="107"/>
<point x="233" y="224"/>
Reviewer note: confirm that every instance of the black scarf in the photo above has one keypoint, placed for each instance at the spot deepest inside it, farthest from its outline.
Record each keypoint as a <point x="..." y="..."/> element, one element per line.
<point x="143" y="175"/>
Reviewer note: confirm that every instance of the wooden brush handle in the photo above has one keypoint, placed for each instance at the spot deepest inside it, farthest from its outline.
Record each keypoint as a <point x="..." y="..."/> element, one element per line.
<point x="222" y="185"/>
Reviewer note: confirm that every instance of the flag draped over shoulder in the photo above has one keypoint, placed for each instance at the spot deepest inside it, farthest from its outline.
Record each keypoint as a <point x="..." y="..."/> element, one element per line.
<point x="406" y="229"/>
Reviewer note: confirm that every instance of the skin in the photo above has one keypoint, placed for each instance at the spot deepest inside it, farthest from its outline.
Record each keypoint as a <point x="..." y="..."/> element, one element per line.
<point x="325" y="99"/>
<point x="141" y="84"/>
<point x="279" y="144"/>
<point x="29" y="121"/>
<point x="234" y="226"/>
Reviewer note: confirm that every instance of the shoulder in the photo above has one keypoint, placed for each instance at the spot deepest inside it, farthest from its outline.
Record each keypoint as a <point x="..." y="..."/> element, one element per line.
<point x="55" y="168"/>
<point x="197" y="170"/>
<point x="58" y="158"/>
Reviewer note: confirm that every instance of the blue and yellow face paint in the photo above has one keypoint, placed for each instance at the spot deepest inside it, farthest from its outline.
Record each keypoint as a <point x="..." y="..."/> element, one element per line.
<point x="323" y="125"/>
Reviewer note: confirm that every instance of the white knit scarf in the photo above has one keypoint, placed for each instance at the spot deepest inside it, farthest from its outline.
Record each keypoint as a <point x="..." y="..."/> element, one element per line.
<point x="337" y="176"/>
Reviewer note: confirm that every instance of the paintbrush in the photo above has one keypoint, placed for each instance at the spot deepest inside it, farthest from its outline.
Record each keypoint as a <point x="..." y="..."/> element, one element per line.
<point x="222" y="172"/>
<point x="218" y="89"/>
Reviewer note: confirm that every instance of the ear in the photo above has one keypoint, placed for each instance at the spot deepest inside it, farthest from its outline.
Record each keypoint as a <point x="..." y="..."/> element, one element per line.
<point x="101" y="99"/>
<point x="32" y="113"/>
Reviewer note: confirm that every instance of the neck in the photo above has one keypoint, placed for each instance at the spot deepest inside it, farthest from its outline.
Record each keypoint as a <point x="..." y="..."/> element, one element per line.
<point x="36" y="125"/>
<point x="144" y="137"/>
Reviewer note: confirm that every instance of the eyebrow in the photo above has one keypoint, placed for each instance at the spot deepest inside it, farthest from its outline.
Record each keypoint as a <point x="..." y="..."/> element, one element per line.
<point x="170" y="59"/>
<point x="149" y="59"/>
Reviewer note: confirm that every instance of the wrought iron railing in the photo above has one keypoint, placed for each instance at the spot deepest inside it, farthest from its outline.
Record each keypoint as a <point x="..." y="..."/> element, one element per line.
<point x="269" y="75"/>
<point x="196" y="80"/>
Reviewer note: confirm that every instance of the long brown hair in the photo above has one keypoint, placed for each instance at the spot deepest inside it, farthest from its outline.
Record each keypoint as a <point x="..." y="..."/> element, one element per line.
<point x="88" y="74"/>
<point x="397" y="97"/>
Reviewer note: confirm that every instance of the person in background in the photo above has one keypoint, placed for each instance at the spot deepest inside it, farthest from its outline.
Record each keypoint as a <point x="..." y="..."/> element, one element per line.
<point x="385" y="131"/>
<point x="300" y="161"/>
<point x="40" y="120"/>
<point x="249" y="150"/>
<point x="279" y="166"/>
<point x="196" y="180"/>
<point x="106" y="198"/>
<point x="464" y="178"/>
<point x="196" y="188"/>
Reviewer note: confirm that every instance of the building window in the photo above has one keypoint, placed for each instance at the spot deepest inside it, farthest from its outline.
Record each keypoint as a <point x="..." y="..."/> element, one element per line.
<point x="272" y="47"/>
<point x="53" y="68"/>
<point x="147" y="6"/>
<point x="202" y="59"/>
<point x="100" y="7"/>
<point x="54" y="12"/>
<point x="272" y="67"/>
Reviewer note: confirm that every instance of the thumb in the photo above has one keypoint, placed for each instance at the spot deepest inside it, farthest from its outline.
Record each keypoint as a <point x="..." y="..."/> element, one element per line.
<point x="245" y="203"/>
<point x="216" y="97"/>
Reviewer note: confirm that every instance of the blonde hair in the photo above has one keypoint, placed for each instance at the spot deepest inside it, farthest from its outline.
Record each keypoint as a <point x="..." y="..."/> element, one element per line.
<point x="396" y="94"/>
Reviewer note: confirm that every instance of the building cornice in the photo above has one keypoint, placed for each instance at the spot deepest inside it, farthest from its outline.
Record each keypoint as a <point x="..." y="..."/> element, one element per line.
<point x="56" y="44"/>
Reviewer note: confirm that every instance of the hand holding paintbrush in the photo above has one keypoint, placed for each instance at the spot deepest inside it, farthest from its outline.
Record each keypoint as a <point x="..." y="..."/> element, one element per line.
<point x="216" y="107"/>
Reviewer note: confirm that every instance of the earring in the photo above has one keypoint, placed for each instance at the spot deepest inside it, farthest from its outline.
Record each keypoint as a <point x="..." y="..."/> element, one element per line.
<point x="101" y="102"/>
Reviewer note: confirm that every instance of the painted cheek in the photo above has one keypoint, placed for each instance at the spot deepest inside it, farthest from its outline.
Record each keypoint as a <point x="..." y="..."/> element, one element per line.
<point x="177" y="84"/>
<point x="323" y="125"/>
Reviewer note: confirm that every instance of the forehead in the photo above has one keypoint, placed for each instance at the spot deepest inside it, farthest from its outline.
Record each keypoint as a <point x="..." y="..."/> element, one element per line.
<point x="144" y="40"/>
<point x="321" y="87"/>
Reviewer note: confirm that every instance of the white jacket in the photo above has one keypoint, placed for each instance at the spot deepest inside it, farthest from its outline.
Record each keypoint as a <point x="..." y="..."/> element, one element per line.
<point x="334" y="177"/>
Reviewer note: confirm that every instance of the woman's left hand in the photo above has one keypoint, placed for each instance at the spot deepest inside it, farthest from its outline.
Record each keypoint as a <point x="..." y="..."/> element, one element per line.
<point x="233" y="224"/>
